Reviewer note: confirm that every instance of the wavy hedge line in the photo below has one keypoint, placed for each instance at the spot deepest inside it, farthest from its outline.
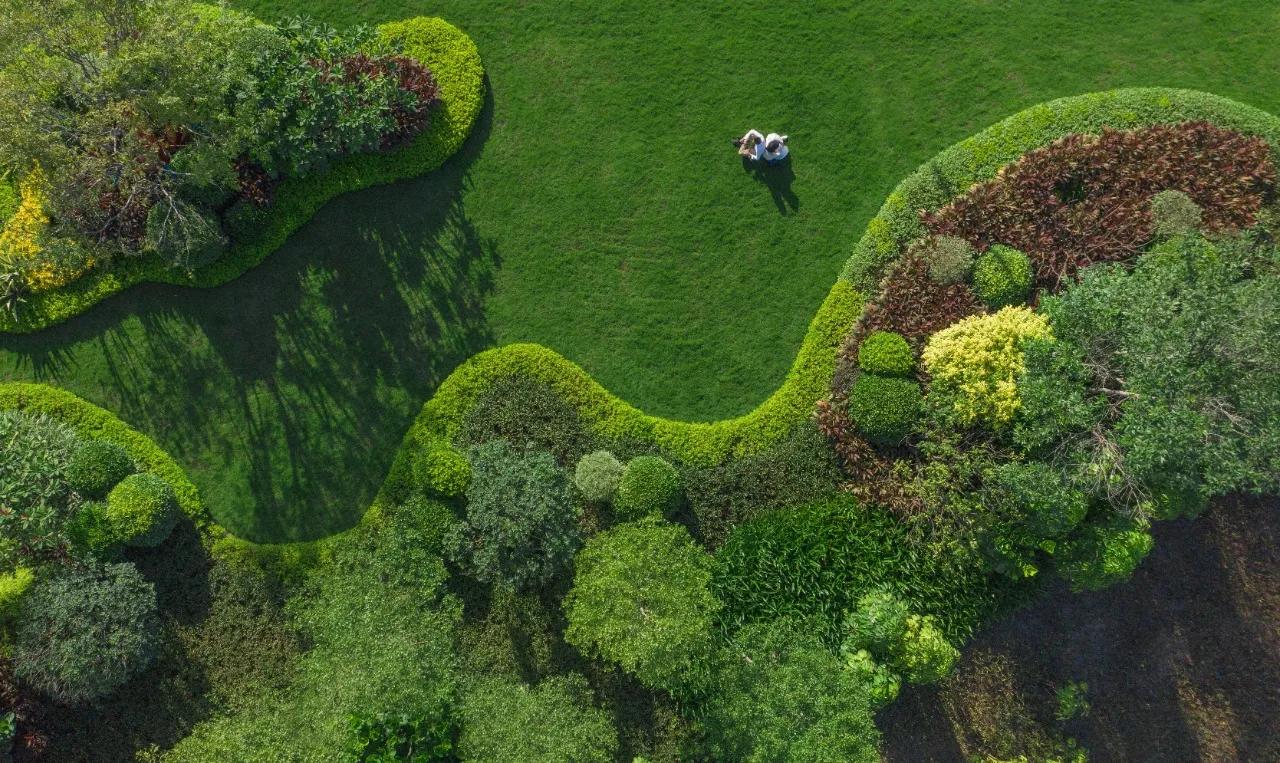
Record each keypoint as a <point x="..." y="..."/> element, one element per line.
<point x="95" y="423"/>
<point x="979" y="157"/>
<point x="454" y="60"/>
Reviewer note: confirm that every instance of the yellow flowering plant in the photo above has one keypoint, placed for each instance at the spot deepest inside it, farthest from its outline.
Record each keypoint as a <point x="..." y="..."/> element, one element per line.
<point x="25" y="245"/>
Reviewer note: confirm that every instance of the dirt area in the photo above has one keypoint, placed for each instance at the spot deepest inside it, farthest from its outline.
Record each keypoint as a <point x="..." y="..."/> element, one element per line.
<point x="1182" y="662"/>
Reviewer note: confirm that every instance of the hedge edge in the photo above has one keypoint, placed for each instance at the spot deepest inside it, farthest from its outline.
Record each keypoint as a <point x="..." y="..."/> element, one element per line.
<point x="454" y="60"/>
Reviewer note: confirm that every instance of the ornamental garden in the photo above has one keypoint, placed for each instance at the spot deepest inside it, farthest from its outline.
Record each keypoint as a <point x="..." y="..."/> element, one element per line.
<point x="283" y="476"/>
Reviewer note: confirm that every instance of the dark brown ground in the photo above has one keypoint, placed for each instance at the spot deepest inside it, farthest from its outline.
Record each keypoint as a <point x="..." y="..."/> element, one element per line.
<point x="1182" y="662"/>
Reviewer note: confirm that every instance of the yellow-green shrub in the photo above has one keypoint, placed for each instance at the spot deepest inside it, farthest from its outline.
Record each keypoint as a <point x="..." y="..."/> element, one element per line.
<point x="975" y="362"/>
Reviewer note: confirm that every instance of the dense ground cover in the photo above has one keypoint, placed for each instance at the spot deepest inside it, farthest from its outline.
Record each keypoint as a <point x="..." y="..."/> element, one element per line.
<point x="667" y="273"/>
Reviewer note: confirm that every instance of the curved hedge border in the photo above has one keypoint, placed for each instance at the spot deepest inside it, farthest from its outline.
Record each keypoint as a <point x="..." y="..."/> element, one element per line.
<point x="979" y="157"/>
<point x="96" y="423"/>
<point x="454" y="60"/>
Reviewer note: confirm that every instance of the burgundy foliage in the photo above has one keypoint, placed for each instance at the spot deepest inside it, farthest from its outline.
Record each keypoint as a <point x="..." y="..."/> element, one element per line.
<point x="1087" y="198"/>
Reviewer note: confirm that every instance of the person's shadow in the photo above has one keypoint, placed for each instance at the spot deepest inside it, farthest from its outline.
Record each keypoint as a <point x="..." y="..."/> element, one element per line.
<point x="778" y="178"/>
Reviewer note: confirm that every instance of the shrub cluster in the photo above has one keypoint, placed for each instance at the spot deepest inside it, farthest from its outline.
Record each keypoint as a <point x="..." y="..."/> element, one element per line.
<point x="443" y="472"/>
<point x="597" y="475"/>
<point x="142" y="510"/>
<point x="35" y="450"/>
<point x="1084" y="199"/>
<point x="887" y="353"/>
<point x="884" y="408"/>
<point x="96" y="467"/>
<point x="649" y="487"/>
<point x="554" y="721"/>
<point x="1002" y="276"/>
<point x="911" y="645"/>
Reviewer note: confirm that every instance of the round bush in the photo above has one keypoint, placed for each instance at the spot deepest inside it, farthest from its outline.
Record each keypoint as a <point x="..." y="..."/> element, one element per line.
<point x="950" y="259"/>
<point x="1174" y="213"/>
<point x="887" y="353"/>
<point x="1002" y="276"/>
<point x="97" y="467"/>
<point x="142" y="510"/>
<point x="650" y="486"/>
<point x="597" y="475"/>
<point x="84" y="632"/>
<point x="884" y="408"/>
<point x="443" y="471"/>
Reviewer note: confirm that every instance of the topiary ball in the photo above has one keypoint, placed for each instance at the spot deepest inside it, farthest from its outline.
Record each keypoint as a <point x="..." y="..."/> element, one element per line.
<point x="950" y="259"/>
<point x="443" y="471"/>
<point x="597" y="475"/>
<point x="1002" y="276"/>
<point x="142" y="510"/>
<point x="649" y="486"/>
<point x="1174" y="213"/>
<point x="887" y="353"/>
<point x="96" y="467"/>
<point x="884" y="408"/>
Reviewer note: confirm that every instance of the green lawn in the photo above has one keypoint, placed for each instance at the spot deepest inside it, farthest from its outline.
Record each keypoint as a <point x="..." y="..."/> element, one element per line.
<point x="598" y="210"/>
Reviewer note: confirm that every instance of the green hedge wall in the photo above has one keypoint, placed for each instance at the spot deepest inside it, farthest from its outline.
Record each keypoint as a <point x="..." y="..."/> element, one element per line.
<point x="979" y="157"/>
<point x="455" y="62"/>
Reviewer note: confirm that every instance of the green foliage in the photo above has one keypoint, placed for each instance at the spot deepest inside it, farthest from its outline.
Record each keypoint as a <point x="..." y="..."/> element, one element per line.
<point x="1173" y="213"/>
<point x="881" y="684"/>
<point x="35" y="450"/>
<point x="907" y="643"/>
<point x="877" y="624"/>
<point x="1031" y="505"/>
<point x="9" y="198"/>
<point x="1073" y="700"/>
<point x="884" y="408"/>
<point x="1103" y="554"/>
<point x="640" y="598"/>
<point x="649" y="487"/>
<point x="521" y="523"/>
<point x="185" y="235"/>
<point x="528" y="414"/>
<point x="96" y="467"/>
<point x="84" y="632"/>
<point x="924" y="654"/>
<point x="886" y="353"/>
<point x="781" y="696"/>
<point x="818" y="560"/>
<point x="550" y="723"/>
<point x="1002" y="276"/>
<point x="387" y="738"/>
<point x="443" y="472"/>
<point x="597" y="475"/>
<point x="950" y="259"/>
<point x="142" y="510"/>
<point x="13" y="585"/>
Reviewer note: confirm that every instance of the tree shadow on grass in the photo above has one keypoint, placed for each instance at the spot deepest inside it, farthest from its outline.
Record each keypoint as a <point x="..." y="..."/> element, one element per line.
<point x="286" y="392"/>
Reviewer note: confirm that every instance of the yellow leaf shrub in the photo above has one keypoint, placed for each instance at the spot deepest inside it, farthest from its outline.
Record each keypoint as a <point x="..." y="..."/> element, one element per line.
<point x="23" y="244"/>
<point x="975" y="363"/>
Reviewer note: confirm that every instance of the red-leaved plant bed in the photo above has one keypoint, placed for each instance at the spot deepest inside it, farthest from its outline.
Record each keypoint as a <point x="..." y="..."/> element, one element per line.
<point x="1087" y="198"/>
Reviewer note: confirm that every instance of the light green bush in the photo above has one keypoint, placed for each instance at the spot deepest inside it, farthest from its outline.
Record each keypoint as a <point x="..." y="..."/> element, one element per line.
<point x="649" y="487"/>
<point x="142" y="510"/>
<point x="886" y="353"/>
<point x="1174" y="213"/>
<point x="1002" y="276"/>
<point x="443" y="471"/>
<point x="597" y="475"/>
<point x="96" y="467"/>
<point x="553" y="722"/>
<point x="1102" y="555"/>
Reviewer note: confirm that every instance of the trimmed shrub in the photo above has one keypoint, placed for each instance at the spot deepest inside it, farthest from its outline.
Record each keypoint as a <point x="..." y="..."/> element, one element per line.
<point x="887" y="353"/>
<point x="1174" y="213"/>
<point x="92" y="532"/>
<point x="96" y="467"/>
<point x="521" y="522"/>
<point x="12" y="587"/>
<point x="84" y="632"/>
<point x="1002" y="276"/>
<point x="974" y="365"/>
<point x="597" y="475"/>
<point x="782" y="696"/>
<point x="641" y="598"/>
<point x="142" y="510"/>
<point x="884" y="408"/>
<point x="1103" y="554"/>
<point x="950" y="258"/>
<point x="443" y="472"/>
<point x="528" y="414"/>
<point x="650" y="486"/>
<point x="554" y="722"/>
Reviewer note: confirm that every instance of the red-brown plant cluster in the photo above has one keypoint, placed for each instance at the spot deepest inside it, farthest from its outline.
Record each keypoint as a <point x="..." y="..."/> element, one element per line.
<point x="1086" y="198"/>
<point x="253" y="183"/>
<point x="412" y="77"/>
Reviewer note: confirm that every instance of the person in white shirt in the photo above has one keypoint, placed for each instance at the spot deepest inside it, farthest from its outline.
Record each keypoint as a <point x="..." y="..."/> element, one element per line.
<point x="775" y="148"/>
<point x="751" y="145"/>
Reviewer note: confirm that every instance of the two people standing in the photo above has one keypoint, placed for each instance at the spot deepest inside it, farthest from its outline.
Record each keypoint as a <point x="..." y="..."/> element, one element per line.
<point x="771" y="148"/>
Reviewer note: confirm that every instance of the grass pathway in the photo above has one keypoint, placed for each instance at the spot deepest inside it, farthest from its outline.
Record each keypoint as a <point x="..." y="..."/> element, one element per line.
<point x="599" y="211"/>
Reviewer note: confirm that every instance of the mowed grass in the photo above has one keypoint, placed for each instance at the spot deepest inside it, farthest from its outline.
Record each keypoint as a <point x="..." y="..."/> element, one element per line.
<point x="599" y="210"/>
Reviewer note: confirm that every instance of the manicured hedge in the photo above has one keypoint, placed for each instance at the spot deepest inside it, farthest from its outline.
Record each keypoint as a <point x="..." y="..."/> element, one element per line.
<point x="454" y="61"/>
<point x="979" y="157"/>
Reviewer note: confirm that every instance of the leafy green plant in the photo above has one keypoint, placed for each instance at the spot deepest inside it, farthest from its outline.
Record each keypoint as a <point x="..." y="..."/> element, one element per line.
<point x="521" y="522"/>
<point x="96" y="467"/>
<point x="84" y="632"/>
<point x="597" y="475"/>
<point x="443" y="472"/>
<point x="1174" y="213"/>
<point x="1002" y="276"/>
<point x="142" y="510"/>
<point x="884" y="408"/>
<point x="886" y="353"/>
<point x="389" y="737"/>
<point x="1103" y="554"/>
<point x="641" y="598"/>
<point x="650" y="486"/>
<point x="35" y="495"/>
<point x="908" y="643"/>
<point x="881" y="683"/>
<point x="554" y="721"/>
<point x="950" y="258"/>
<point x="1073" y="700"/>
